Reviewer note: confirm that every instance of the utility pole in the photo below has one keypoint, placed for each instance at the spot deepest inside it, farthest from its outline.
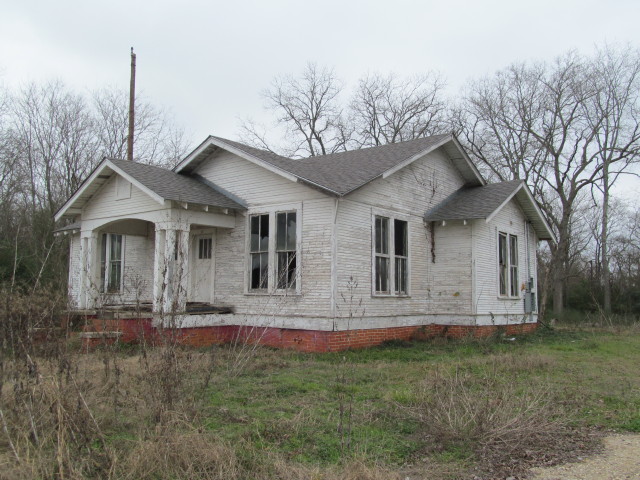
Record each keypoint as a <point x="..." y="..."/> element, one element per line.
<point x="132" y="100"/>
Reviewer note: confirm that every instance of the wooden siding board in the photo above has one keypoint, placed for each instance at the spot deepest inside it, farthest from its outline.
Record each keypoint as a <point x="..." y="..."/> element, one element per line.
<point x="253" y="184"/>
<point x="105" y="203"/>
<point x="441" y="287"/>
<point x="75" y="268"/>
<point x="232" y="264"/>
<point x="510" y="220"/>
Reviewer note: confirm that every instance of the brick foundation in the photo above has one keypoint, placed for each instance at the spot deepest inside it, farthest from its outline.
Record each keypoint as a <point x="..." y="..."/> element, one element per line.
<point x="136" y="330"/>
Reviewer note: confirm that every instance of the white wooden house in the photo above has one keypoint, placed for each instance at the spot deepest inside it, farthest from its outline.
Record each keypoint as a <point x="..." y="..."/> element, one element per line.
<point x="378" y="242"/>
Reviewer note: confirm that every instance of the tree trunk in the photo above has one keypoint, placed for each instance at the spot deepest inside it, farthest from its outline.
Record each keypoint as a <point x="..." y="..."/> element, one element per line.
<point x="604" y="254"/>
<point x="558" y="294"/>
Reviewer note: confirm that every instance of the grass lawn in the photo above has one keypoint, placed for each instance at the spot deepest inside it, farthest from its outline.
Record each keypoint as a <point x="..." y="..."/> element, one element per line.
<point x="433" y="409"/>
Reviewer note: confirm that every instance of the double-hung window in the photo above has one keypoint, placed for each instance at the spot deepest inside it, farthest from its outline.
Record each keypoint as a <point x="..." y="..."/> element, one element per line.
<point x="259" y="248"/>
<point x="274" y="258"/>
<point x="391" y="256"/>
<point x="286" y="246"/>
<point x="508" y="265"/>
<point x="111" y="263"/>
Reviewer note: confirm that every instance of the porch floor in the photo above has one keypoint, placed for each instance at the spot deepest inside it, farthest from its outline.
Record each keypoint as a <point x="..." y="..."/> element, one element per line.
<point x="146" y="309"/>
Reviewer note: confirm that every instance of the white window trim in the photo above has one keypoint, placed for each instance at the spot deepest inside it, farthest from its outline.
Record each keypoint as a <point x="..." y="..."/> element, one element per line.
<point x="104" y="281"/>
<point x="272" y="210"/>
<point x="392" y="264"/>
<point x="508" y="295"/>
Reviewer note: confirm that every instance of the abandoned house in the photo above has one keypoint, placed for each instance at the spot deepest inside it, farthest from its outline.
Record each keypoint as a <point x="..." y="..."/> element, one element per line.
<point x="324" y="253"/>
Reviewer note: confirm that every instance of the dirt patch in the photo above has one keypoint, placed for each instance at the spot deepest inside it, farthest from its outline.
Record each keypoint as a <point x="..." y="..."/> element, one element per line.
<point x="620" y="460"/>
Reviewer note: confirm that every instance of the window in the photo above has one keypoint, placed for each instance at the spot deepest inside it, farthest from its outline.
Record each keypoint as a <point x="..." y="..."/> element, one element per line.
<point x="401" y="251"/>
<point x="513" y="265"/>
<point x="286" y="249"/>
<point x="391" y="256"/>
<point x="508" y="264"/>
<point x="111" y="263"/>
<point x="382" y="255"/>
<point x="204" y="248"/>
<point x="274" y="252"/>
<point x="259" y="249"/>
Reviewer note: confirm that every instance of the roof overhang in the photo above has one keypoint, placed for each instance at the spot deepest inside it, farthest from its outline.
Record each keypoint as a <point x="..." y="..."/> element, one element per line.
<point x="533" y="213"/>
<point x="530" y="208"/>
<point x="100" y="175"/>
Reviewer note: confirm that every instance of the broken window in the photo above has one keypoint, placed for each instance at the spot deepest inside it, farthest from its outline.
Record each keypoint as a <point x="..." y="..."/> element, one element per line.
<point x="111" y="263"/>
<point x="401" y="253"/>
<point x="259" y="250"/>
<point x="286" y="245"/>
<point x="391" y="256"/>
<point x="274" y="262"/>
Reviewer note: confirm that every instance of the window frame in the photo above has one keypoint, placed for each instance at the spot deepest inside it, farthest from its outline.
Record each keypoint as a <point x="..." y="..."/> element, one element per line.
<point x="392" y="218"/>
<point x="272" y="252"/>
<point x="511" y="270"/>
<point x="107" y="263"/>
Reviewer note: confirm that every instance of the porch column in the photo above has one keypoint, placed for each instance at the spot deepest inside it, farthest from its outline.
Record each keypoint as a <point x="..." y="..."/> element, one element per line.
<point x="159" y="269"/>
<point x="168" y="260"/>
<point x="182" y="269"/>
<point x="88" y="273"/>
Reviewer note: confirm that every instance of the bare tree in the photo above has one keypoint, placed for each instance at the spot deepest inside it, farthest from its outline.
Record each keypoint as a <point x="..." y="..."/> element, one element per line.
<point x="158" y="140"/>
<point x="615" y="115"/>
<point x="308" y="109"/>
<point x="537" y="123"/>
<point x="50" y="139"/>
<point x="389" y="109"/>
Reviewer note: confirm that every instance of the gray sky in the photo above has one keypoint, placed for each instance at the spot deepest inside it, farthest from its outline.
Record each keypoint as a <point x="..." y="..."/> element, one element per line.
<point x="208" y="61"/>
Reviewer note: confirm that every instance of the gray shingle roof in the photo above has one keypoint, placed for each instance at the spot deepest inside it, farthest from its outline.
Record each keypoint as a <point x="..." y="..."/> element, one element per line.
<point x="473" y="202"/>
<point x="343" y="172"/>
<point x="175" y="186"/>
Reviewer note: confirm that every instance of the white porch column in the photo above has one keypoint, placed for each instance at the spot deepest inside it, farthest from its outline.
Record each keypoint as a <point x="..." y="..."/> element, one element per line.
<point x="182" y="269"/>
<point x="168" y="268"/>
<point x="175" y="266"/>
<point x="88" y="273"/>
<point x="159" y="269"/>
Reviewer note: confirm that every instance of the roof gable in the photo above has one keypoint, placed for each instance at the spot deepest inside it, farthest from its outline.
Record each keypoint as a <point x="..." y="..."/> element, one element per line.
<point x="341" y="173"/>
<point x="159" y="183"/>
<point x="471" y="203"/>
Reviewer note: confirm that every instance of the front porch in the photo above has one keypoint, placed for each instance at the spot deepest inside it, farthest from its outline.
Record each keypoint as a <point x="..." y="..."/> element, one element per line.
<point x="157" y="263"/>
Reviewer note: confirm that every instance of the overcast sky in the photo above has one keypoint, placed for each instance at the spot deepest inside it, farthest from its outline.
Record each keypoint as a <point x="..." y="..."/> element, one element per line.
<point x="208" y="61"/>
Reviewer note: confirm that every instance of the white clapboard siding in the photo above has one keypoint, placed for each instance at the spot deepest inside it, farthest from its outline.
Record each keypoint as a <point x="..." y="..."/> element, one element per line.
<point x="75" y="269"/>
<point x="231" y="266"/>
<point x="509" y="220"/>
<point x="253" y="184"/>
<point x="416" y="188"/>
<point x="441" y="287"/>
<point x="105" y="204"/>
<point x="138" y="268"/>
<point x="451" y="281"/>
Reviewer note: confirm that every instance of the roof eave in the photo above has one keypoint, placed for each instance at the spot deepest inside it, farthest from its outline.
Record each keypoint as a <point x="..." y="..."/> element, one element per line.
<point x="468" y="160"/>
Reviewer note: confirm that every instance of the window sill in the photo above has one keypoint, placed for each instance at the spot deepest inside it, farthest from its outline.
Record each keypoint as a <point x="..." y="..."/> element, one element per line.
<point x="277" y="293"/>
<point x="503" y="297"/>
<point x="389" y="295"/>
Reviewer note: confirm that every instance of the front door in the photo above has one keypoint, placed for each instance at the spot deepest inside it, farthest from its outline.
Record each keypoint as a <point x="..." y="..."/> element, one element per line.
<point x="202" y="273"/>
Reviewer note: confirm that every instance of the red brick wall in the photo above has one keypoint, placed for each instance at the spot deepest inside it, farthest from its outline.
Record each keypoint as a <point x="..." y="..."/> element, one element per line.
<point x="303" y="340"/>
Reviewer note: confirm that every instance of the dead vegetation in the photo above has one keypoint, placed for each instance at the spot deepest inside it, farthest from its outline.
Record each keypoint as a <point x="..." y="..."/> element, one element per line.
<point x="166" y="412"/>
